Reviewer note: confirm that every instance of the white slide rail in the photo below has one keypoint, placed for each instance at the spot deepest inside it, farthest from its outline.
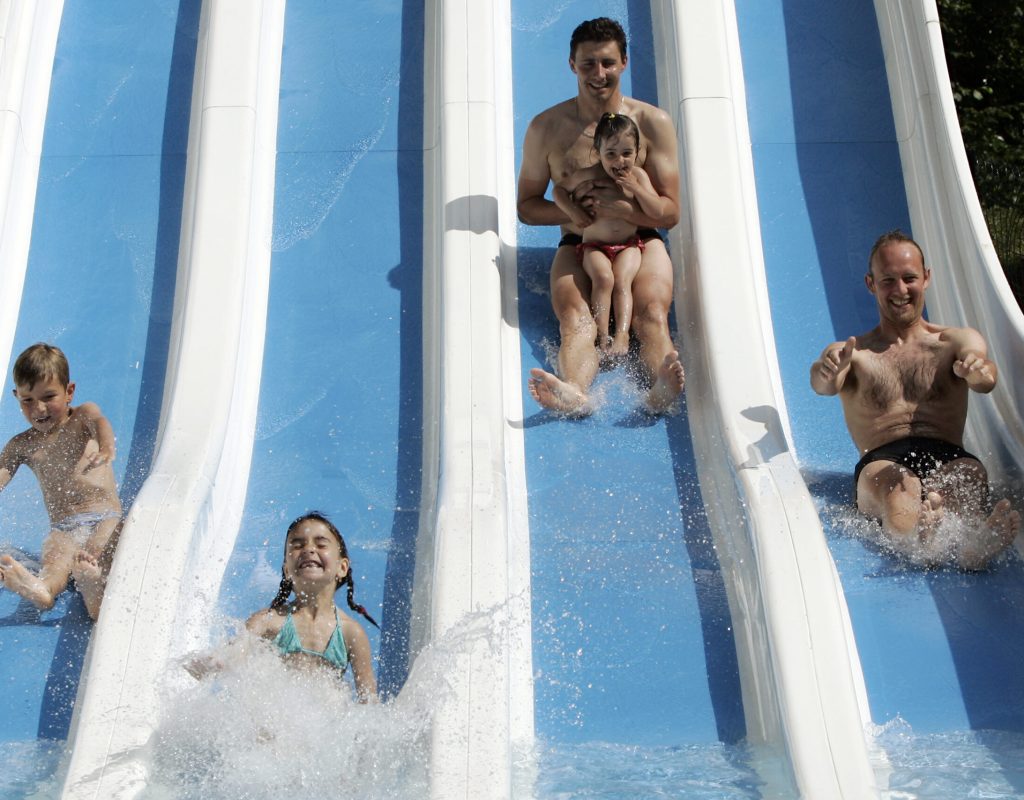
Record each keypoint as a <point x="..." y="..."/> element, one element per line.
<point x="968" y="285"/>
<point x="473" y="550"/>
<point x="28" y="41"/>
<point x="803" y="690"/>
<point x="191" y="501"/>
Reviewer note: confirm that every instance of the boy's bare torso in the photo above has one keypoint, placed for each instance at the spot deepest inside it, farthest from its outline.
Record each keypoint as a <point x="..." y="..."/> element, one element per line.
<point x="60" y="460"/>
<point x="904" y="388"/>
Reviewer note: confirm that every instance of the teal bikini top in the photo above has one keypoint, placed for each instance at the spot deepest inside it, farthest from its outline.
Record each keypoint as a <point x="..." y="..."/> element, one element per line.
<point x="336" y="654"/>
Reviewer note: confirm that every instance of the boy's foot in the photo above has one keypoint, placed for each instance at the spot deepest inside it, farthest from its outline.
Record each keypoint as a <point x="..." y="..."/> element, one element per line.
<point x="991" y="538"/>
<point x="19" y="580"/>
<point x="557" y="395"/>
<point x="668" y="384"/>
<point x="89" y="579"/>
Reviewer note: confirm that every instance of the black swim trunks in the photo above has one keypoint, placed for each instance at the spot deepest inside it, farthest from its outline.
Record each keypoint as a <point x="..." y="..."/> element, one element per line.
<point x="919" y="454"/>
<point x="643" y="234"/>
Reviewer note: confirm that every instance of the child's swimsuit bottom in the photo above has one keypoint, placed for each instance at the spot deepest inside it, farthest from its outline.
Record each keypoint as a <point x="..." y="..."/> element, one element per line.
<point x="81" y="526"/>
<point x="610" y="250"/>
<point x="335" y="654"/>
<point x="574" y="239"/>
<point x="919" y="454"/>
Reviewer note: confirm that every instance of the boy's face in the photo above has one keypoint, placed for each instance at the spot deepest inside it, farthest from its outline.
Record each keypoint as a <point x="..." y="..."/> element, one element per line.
<point x="45" y="404"/>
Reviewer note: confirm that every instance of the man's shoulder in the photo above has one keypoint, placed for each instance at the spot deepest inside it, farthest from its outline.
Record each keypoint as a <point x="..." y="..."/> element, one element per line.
<point x="555" y="117"/>
<point x="646" y="115"/>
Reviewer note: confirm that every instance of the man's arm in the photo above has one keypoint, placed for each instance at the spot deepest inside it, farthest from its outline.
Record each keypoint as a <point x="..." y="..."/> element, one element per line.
<point x="564" y="199"/>
<point x="534" y="176"/>
<point x="828" y="373"/>
<point x="972" y="362"/>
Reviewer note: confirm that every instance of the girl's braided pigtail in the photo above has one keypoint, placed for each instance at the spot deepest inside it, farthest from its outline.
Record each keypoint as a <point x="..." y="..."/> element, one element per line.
<point x="282" y="594"/>
<point x="353" y="604"/>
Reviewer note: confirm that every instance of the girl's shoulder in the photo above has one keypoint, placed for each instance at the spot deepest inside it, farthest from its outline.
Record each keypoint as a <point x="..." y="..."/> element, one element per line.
<point x="266" y="622"/>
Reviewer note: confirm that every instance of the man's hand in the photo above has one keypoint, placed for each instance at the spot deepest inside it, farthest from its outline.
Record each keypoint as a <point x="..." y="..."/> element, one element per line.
<point x="977" y="370"/>
<point x="829" y="371"/>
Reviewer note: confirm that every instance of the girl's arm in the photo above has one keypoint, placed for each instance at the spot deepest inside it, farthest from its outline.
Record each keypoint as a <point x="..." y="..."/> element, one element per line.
<point x="638" y="183"/>
<point x="359" y="655"/>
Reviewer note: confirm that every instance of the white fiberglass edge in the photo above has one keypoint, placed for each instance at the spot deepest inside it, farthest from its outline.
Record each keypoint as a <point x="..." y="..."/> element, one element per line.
<point x="803" y="690"/>
<point x="968" y="285"/>
<point x="472" y="565"/>
<point x="28" y="41"/>
<point x="192" y="500"/>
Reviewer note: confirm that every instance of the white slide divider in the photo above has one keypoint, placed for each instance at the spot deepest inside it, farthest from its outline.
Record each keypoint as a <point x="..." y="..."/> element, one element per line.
<point x="968" y="285"/>
<point x="803" y="691"/>
<point x="28" y="41"/>
<point x="192" y="500"/>
<point x="473" y="554"/>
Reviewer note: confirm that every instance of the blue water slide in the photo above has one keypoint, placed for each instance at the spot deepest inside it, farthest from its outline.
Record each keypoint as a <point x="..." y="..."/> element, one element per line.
<point x="88" y="263"/>
<point x="853" y="132"/>
<point x="682" y="589"/>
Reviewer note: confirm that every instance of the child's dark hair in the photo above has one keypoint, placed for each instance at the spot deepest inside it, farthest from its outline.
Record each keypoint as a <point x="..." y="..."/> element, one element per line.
<point x="600" y="30"/>
<point x="615" y="125"/>
<point x="41" y="362"/>
<point x="285" y="590"/>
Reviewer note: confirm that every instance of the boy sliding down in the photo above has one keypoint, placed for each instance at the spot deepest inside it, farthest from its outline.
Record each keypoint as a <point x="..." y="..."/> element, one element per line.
<point x="70" y="450"/>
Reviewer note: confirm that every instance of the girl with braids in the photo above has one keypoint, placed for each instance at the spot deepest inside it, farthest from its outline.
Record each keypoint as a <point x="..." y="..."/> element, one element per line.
<point x="309" y="627"/>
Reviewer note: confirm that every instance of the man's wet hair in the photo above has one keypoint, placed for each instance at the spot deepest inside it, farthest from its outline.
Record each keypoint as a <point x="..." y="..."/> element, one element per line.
<point x="895" y="236"/>
<point x="598" y="30"/>
<point x="615" y="125"/>
<point x="41" y="362"/>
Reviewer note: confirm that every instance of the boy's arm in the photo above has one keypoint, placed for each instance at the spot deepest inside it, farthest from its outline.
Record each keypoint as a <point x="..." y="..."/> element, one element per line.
<point x="9" y="462"/>
<point x="828" y="373"/>
<point x="100" y="428"/>
<point x="972" y="362"/>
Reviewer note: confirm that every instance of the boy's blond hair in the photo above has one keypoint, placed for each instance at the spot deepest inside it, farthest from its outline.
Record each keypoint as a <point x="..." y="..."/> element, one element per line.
<point x="41" y="362"/>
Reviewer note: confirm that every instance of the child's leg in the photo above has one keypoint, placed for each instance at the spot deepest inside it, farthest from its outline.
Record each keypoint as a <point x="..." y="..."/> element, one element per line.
<point x="625" y="268"/>
<point x="42" y="590"/>
<point x="92" y="563"/>
<point x="599" y="269"/>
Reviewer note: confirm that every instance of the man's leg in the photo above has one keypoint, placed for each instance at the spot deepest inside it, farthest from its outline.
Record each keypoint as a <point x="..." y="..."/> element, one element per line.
<point x="577" y="355"/>
<point x="891" y="493"/>
<point x="963" y="484"/>
<point x="652" y="298"/>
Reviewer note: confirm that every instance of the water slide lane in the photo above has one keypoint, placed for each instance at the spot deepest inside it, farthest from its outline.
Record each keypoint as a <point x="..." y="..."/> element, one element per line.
<point x="936" y="647"/>
<point x="339" y="419"/>
<point x="99" y="284"/>
<point x="632" y="635"/>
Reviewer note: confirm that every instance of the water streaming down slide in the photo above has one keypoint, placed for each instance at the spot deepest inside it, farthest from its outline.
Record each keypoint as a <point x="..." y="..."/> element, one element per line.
<point x="99" y="284"/>
<point x="833" y="171"/>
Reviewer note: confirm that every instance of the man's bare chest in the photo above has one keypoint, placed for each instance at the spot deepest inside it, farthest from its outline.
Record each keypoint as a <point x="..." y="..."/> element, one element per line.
<point x="909" y="376"/>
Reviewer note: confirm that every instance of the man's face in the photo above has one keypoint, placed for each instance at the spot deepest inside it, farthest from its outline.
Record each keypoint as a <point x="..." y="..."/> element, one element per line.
<point x="898" y="280"/>
<point x="598" y="67"/>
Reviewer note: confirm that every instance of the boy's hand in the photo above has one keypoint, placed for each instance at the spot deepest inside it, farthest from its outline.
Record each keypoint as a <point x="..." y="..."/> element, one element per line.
<point x="98" y="459"/>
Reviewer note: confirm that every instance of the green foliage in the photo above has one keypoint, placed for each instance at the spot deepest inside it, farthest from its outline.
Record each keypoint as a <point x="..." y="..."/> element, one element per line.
<point x="984" y="41"/>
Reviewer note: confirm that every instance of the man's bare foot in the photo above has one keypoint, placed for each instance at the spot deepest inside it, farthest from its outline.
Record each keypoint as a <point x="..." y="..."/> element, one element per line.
<point x="668" y="384"/>
<point x="557" y="395"/>
<point x="990" y="539"/>
<point x="932" y="511"/>
<point x="19" y="580"/>
<point x="89" y="580"/>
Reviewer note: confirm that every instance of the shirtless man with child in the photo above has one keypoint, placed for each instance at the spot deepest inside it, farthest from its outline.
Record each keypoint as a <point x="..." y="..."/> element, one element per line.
<point x="558" y="143"/>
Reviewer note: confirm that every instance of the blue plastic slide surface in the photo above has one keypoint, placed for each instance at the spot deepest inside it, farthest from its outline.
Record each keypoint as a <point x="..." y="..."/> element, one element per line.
<point x="631" y="630"/>
<point x="339" y="425"/>
<point x="100" y="285"/>
<point x="939" y="648"/>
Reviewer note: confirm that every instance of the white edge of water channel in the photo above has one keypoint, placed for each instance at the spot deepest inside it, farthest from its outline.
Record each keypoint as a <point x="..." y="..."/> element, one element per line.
<point x="803" y="689"/>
